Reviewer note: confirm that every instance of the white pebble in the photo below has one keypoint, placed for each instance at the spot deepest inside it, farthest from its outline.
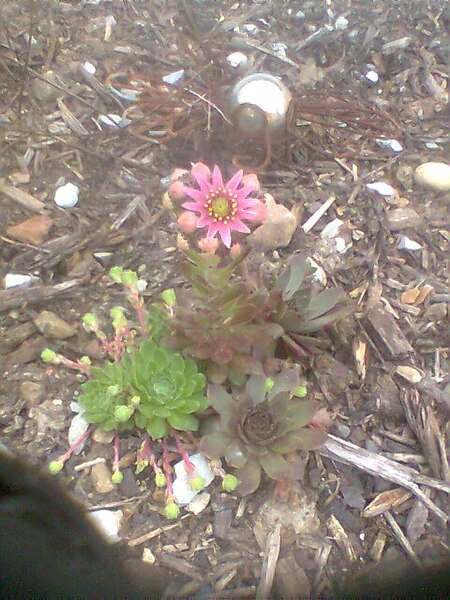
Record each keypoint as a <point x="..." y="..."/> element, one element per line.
<point x="372" y="76"/>
<point x="382" y="188"/>
<point x="89" y="67"/>
<point x="110" y="120"/>
<point x="393" y="145"/>
<point x="108" y="522"/>
<point x="66" y="196"/>
<point x="78" y="427"/>
<point x="174" y="78"/>
<point x="17" y="280"/>
<point x="405" y="243"/>
<point x="331" y="229"/>
<point x="433" y="175"/>
<point x="341" y="23"/>
<point x="237" y="59"/>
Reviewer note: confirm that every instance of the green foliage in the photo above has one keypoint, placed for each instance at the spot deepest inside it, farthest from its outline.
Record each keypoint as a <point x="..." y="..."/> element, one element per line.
<point x="257" y="427"/>
<point x="153" y="388"/>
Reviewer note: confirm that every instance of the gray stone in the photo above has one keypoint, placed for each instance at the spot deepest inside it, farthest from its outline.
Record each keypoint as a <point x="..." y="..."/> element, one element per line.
<point x="53" y="326"/>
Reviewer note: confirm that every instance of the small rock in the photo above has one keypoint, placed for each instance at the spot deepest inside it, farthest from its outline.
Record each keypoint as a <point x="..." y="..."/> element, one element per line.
<point x="101" y="478"/>
<point x="16" y="335"/>
<point x="405" y="243"/>
<point x="19" y="178"/>
<point x="148" y="557"/>
<point x="49" y="416"/>
<point x="108" y="523"/>
<point x="128" y="487"/>
<point x="382" y="188"/>
<point x="44" y="90"/>
<point x="77" y="429"/>
<point x="18" y="280"/>
<point x="393" y="145"/>
<point x="434" y="176"/>
<point x="28" y="351"/>
<point x="32" y="231"/>
<point x="291" y="581"/>
<point x="103" y="437"/>
<point x="53" y="326"/>
<point x="401" y="218"/>
<point x="277" y="229"/>
<point x="66" y="196"/>
<point x="405" y="176"/>
<point x="199" y="503"/>
<point x="32" y="393"/>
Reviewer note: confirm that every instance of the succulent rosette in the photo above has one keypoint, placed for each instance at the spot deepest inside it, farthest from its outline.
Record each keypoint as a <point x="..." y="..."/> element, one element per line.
<point x="153" y="388"/>
<point x="256" y="429"/>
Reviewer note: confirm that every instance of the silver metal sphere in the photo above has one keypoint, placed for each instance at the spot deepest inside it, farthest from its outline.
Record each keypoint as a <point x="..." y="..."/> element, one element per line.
<point x="258" y="99"/>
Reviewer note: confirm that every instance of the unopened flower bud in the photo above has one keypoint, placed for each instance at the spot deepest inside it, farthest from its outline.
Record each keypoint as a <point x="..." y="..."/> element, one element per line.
<point x="85" y="360"/>
<point x="197" y="483"/>
<point x="171" y="510"/>
<point x="235" y="250"/>
<point x="187" y="221"/>
<point x="160" y="480"/>
<point x="129" y="278"/>
<point x="251" y="179"/>
<point x="55" y="467"/>
<point x="176" y="190"/>
<point x="229" y="483"/>
<point x="301" y="391"/>
<point x="116" y="274"/>
<point x="169" y="297"/>
<point x="202" y="170"/>
<point x="135" y="401"/>
<point x="113" y="390"/>
<point x="178" y="174"/>
<point x="123" y="413"/>
<point x="208" y="244"/>
<point x="118" y="317"/>
<point x="50" y="356"/>
<point x="269" y="384"/>
<point x="117" y="477"/>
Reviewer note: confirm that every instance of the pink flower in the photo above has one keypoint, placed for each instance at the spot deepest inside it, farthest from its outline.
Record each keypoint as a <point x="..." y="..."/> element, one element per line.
<point x="222" y="207"/>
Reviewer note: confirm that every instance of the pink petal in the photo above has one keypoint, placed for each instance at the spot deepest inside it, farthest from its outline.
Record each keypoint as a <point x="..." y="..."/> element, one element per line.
<point x="201" y="169"/>
<point x="238" y="225"/>
<point x="235" y="181"/>
<point x="198" y="206"/>
<point x="212" y="229"/>
<point x="248" y="202"/>
<point x="217" y="180"/>
<point x="225" y="234"/>
<point x="244" y="191"/>
<point x="203" y="183"/>
<point x="195" y="194"/>
<point x="204" y="221"/>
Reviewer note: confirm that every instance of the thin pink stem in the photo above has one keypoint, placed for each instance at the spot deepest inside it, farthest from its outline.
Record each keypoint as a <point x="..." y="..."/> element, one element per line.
<point x="116" y="452"/>
<point x="167" y="470"/>
<point x="72" y="364"/>
<point x="77" y="443"/>
<point x="190" y="468"/>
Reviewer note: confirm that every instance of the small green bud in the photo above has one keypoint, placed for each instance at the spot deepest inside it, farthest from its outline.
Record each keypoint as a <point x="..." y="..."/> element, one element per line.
<point x="129" y="278"/>
<point x="123" y="413"/>
<point x="117" y="477"/>
<point x="301" y="391"/>
<point x="50" y="356"/>
<point x="55" y="467"/>
<point x="90" y="321"/>
<point x="160" y="480"/>
<point x="85" y="360"/>
<point x="135" y="401"/>
<point x="197" y="483"/>
<point x="171" y="510"/>
<point x="116" y="274"/>
<point x="113" y="390"/>
<point x="169" y="297"/>
<point x="229" y="483"/>
<point x="118" y="317"/>
<point x="269" y="384"/>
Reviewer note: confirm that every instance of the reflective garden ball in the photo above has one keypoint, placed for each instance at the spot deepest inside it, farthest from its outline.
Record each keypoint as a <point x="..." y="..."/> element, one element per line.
<point x="258" y="101"/>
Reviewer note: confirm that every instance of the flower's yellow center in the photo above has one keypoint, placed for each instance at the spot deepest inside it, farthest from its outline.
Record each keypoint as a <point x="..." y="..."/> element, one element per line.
<point x="221" y="205"/>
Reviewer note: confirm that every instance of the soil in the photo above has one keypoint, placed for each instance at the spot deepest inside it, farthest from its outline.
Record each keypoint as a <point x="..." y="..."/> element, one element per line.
<point x="388" y="385"/>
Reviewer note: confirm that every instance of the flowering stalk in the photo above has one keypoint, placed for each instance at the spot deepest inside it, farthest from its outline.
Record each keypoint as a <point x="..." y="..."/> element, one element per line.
<point x="172" y="509"/>
<point x="195" y="481"/>
<point x="147" y="458"/>
<point x="117" y="476"/>
<point x="90" y="323"/>
<point x="51" y="357"/>
<point x="57" y="465"/>
<point x="229" y="482"/>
